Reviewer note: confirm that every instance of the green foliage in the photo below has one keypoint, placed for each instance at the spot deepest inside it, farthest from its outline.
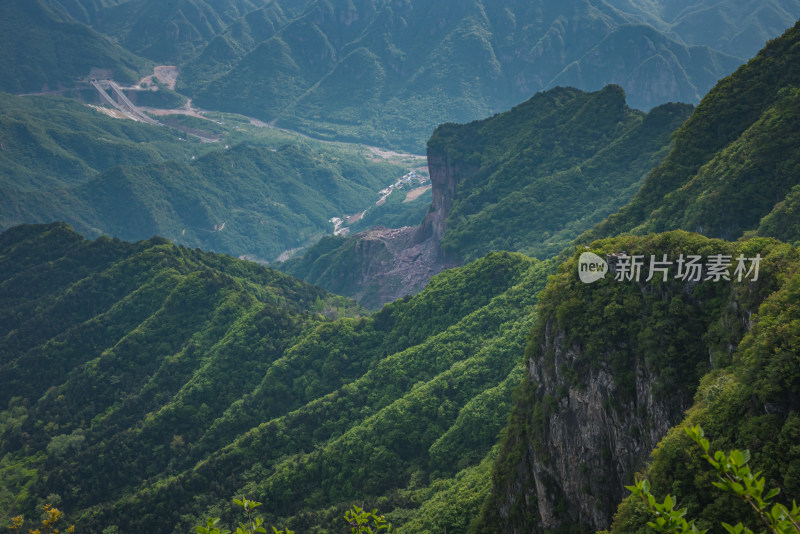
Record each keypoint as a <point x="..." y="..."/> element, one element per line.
<point x="667" y="519"/>
<point x="363" y="521"/>
<point x="746" y="406"/>
<point x="60" y="159"/>
<point x="47" y="50"/>
<point x="733" y="159"/>
<point x="183" y="376"/>
<point x="391" y="88"/>
<point x="50" y="516"/>
<point x="782" y="221"/>
<point x="676" y="334"/>
<point x="535" y="177"/>
<point x="211" y="527"/>
<point x="734" y="477"/>
<point x="251" y="526"/>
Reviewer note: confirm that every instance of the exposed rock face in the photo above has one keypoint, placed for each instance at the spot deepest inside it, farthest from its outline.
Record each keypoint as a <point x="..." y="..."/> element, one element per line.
<point x="395" y="263"/>
<point x="388" y="264"/>
<point x="570" y="470"/>
<point x="445" y="177"/>
<point x="382" y="264"/>
<point x="611" y="368"/>
<point x="593" y="445"/>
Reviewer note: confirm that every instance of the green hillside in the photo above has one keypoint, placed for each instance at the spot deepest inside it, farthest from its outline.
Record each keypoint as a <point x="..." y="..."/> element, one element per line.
<point x="43" y="49"/>
<point x="61" y="160"/>
<point x="145" y="384"/>
<point x="528" y="180"/>
<point x="651" y="356"/>
<point x="560" y="162"/>
<point x="170" y="32"/>
<point x="612" y="365"/>
<point x="736" y="27"/>
<point x="734" y="159"/>
<point x="227" y="47"/>
<point x="84" y="11"/>
<point x="49" y="141"/>
<point x="174" y="379"/>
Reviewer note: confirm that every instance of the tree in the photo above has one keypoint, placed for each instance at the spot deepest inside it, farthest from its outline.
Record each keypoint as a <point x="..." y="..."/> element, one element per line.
<point x="734" y="477"/>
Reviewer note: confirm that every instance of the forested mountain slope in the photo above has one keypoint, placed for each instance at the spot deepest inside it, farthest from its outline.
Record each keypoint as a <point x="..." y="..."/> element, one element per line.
<point x="616" y="367"/>
<point x="735" y="27"/>
<point x="387" y="73"/>
<point x="146" y="384"/>
<point x="527" y="180"/>
<point x="734" y="159"/>
<point x="168" y="32"/>
<point x="44" y="49"/>
<point x="61" y="160"/>
<point x="58" y="142"/>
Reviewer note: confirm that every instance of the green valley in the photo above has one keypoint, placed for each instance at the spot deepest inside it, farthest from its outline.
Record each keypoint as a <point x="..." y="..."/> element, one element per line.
<point x="529" y="180"/>
<point x="598" y="249"/>
<point x="257" y="192"/>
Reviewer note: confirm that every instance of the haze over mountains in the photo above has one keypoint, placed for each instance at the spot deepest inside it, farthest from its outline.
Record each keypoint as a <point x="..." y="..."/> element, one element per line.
<point x="387" y="73"/>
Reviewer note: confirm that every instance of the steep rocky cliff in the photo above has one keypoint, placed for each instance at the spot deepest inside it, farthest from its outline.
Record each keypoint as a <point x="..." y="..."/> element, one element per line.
<point x="384" y="264"/>
<point x="612" y="366"/>
<point x="446" y="172"/>
<point x="528" y="180"/>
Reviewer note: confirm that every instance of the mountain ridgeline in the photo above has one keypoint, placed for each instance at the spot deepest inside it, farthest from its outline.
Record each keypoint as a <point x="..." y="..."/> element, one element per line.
<point x="387" y="73"/>
<point x="529" y="180"/>
<point x="735" y="160"/>
<point x="145" y="384"/>
<point x="161" y="381"/>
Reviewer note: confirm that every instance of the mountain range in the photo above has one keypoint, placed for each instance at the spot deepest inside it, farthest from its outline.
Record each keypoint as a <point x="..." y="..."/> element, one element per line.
<point x="387" y="73"/>
<point x="657" y="357"/>
<point x="384" y="73"/>
<point x="145" y="384"/>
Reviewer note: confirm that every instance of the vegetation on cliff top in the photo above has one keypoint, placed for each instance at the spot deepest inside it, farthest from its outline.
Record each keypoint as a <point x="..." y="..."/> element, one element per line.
<point x="535" y="177"/>
<point x="684" y="336"/>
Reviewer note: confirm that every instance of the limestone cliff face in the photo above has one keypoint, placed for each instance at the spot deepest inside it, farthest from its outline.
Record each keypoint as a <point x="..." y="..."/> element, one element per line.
<point x="611" y="368"/>
<point x="593" y="443"/>
<point x="582" y="444"/>
<point x="445" y="177"/>
<point x="383" y="264"/>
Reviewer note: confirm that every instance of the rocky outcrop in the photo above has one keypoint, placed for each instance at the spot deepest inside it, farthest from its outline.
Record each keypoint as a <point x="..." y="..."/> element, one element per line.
<point x="594" y="442"/>
<point x="611" y="368"/>
<point x="445" y="177"/>
<point x="385" y="264"/>
<point x="392" y="263"/>
<point x="382" y="264"/>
